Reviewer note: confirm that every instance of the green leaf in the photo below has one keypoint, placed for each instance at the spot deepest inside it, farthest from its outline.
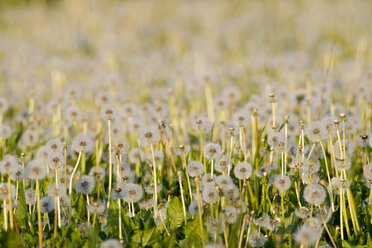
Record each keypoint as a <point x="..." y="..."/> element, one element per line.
<point x="148" y="237"/>
<point x="21" y="211"/>
<point x="175" y="213"/>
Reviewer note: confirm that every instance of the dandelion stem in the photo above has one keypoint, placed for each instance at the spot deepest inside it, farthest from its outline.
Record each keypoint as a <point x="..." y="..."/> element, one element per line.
<point x="242" y="231"/>
<point x="88" y="213"/>
<point x="120" y="228"/>
<point x="73" y="173"/>
<point x="110" y="163"/>
<point x="187" y="176"/>
<point x="199" y="211"/>
<point x="39" y="214"/>
<point x="5" y="218"/>
<point x="328" y="175"/>
<point x="155" y="182"/>
<point x="182" y="198"/>
<point x="10" y="203"/>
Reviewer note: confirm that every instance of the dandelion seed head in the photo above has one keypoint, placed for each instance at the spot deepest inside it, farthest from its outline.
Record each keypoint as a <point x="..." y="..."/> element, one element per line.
<point x="263" y="221"/>
<point x="195" y="168"/>
<point x="150" y="189"/>
<point x="200" y="123"/>
<point x="307" y="235"/>
<point x="36" y="170"/>
<point x="98" y="173"/>
<point x="210" y="194"/>
<point x="85" y="185"/>
<point x="56" y="160"/>
<point x="111" y="243"/>
<point x="343" y="164"/>
<point x="193" y="208"/>
<point x="146" y="204"/>
<point x="241" y="118"/>
<point x="182" y="150"/>
<point x="4" y="191"/>
<point x="7" y="164"/>
<point x="212" y="151"/>
<point x="257" y="239"/>
<point x="275" y="138"/>
<point x="222" y="164"/>
<point x="149" y="135"/>
<point x="158" y="156"/>
<point x="208" y="179"/>
<point x="302" y="212"/>
<point x="230" y="214"/>
<point x="4" y="105"/>
<point x="46" y="204"/>
<point x="119" y="191"/>
<point x="29" y="138"/>
<point x="134" y="194"/>
<point x="30" y="195"/>
<point x="54" y="191"/>
<point x="368" y="172"/>
<point x="329" y="126"/>
<point x="97" y="207"/>
<point x="315" y="194"/>
<point x="243" y="170"/>
<point x="349" y="149"/>
<point x="231" y="192"/>
<point x="215" y="225"/>
<point x="310" y="167"/>
<point x="223" y="181"/>
<point x="108" y="112"/>
<point x="17" y="173"/>
<point x="315" y="131"/>
<point x="282" y="182"/>
<point x="73" y="114"/>
<point x="83" y="143"/>
<point x="5" y="131"/>
<point x="136" y="155"/>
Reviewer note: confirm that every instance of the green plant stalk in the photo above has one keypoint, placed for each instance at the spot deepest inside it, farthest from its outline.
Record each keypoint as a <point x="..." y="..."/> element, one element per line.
<point x="341" y="210"/>
<point x="119" y="216"/>
<point x="328" y="175"/>
<point x="39" y="214"/>
<point x="201" y="148"/>
<point x="155" y="182"/>
<point x="187" y="175"/>
<point x="297" y="194"/>
<point x="5" y="218"/>
<point x="88" y="213"/>
<point x="200" y="212"/>
<point x="243" y="142"/>
<point x="242" y="231"/>
<point x="182" y="197"/>
<point x="283" y="212"/>
<point x="73" y="173"/>
<point x="110" y="163"/>
<point x="230" y="157"/>
<point x="344" y="212"/>
<point x="10" y="204"/>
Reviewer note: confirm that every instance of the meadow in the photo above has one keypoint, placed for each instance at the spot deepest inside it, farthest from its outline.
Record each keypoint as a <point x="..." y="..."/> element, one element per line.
<point x="185" y="124"/>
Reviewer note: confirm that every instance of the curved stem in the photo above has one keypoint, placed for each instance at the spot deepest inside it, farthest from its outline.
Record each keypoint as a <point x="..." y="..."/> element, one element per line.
<point x="73" y="173"/>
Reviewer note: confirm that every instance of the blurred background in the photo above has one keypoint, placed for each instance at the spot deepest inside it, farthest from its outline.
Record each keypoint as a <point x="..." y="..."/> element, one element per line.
<point x="124" y="45"/>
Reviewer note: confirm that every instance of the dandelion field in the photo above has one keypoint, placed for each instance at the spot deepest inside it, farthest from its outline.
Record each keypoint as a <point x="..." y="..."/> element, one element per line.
<point x="185" y="123"/>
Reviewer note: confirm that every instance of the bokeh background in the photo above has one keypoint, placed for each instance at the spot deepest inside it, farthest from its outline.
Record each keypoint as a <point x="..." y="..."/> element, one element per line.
<point x="124" y="46"/>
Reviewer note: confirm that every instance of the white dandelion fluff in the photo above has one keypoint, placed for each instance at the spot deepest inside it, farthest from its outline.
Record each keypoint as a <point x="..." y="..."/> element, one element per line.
<point x="85" y="185"/>
<point x="212" y="151"/>
<point x="36" y="169"/>
<point x="195" y="168"/>
<point x="243" y="170"/>
<point x="315" y="194"/>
